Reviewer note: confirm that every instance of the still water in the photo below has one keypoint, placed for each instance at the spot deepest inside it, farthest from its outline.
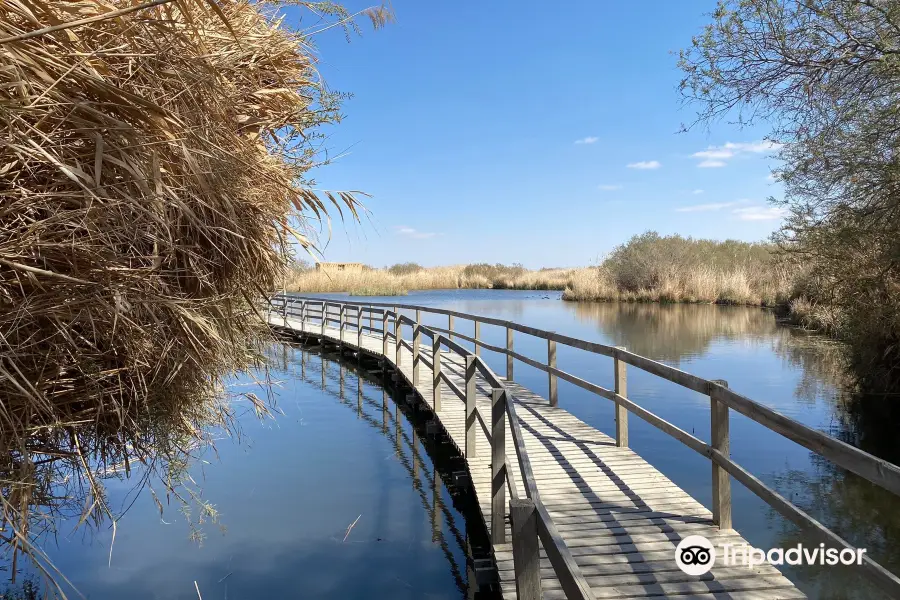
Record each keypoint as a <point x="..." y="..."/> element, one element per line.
<point x="344" y="453"/>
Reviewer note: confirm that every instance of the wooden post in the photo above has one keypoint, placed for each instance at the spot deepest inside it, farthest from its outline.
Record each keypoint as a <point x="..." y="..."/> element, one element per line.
<point x="477" y="338"/>
<point x="302" y="314"/>
<point x="509" y="358"/>
<point x="551" y="362"/>
<point x="526" y="552"/>
<point x="621" y="377"/>
<point x="384" y="334"/>
<point x="498" y="466"/>
<point x="417" y="334"/>
<point x="721" y="481"/>
<point x="450" y="325"/>
<point x="436" y="357"/>
<point x="341" y="328"/>
<point x="398" y="333"/>
<point x="359" y="332"/>
<point x="471" y="418"/>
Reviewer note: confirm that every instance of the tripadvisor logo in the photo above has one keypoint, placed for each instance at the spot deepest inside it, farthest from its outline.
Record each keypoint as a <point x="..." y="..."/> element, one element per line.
<point x="696" y="555"/>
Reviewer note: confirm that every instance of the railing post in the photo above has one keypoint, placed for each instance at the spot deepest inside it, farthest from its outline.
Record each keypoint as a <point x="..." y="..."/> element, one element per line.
<point x="450" y="325"/>
<point x="359" y="332"/>
<point x="324" y="315"/>
<point x="621" y="380"/>
<point x="436" y="357"/>
<point x="417" y="333"/>
<point x="526" y="551"/>
<point x="398" y="334"/>
<point x="302" y="313"/>
<point x="471" y="425"/>
<point x="341" y="328"/>
<point x="477" y="338"/>
<point x="509" y="358"/>
<point x="384" y="334"/>
<point x="498" y="465"/>
<point x="721" y="481"/>
<point x="551" y="362"/>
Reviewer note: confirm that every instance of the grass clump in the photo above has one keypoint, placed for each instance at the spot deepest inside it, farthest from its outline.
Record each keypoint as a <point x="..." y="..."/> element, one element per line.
<point x="407" y="268"/>
<point x="654" y="268"/>
<point x="151" y="164"/>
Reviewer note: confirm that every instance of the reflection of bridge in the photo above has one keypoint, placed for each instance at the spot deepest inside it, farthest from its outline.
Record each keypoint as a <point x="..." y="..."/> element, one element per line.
<point x="587" y="517"/>
<point x="427" y="480"/>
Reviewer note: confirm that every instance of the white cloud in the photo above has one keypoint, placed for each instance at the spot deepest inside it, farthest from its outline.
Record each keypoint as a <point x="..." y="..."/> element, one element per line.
<point x="759" y="213"/>
<point x="755" y="147"/>
<point x="715" y="156"/>
<point x="587" y="140"/>
<point x="644" y="164"/>
<point x="609" y="187"/>
<point x="697" y="192"/>
<point x="414" y="233"/>
<point x="711" y="164"/>
<point x="707" y="207"/>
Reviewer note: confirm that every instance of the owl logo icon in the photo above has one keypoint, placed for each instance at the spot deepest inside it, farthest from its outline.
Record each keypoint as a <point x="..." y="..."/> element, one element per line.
<point x="695" y="555"/>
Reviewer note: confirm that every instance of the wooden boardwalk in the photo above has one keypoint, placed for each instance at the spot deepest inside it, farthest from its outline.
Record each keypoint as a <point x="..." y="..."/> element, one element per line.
<point x="619" y="516"/>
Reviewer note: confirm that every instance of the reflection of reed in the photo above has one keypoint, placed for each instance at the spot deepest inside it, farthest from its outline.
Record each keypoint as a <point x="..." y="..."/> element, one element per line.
<point x="411" y="460"/>
<point x="823" y="365"/>
<point x="673" y="331"/>
<point x="850" y="506"/>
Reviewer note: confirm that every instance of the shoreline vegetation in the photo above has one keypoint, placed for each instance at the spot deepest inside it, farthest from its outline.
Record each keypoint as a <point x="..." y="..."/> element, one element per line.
<point x="399" y="279"/>
<point x="647" y="268"/>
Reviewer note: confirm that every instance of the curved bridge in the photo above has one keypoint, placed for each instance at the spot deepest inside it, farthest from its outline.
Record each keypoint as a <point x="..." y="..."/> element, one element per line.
<point x="586" y="517"/>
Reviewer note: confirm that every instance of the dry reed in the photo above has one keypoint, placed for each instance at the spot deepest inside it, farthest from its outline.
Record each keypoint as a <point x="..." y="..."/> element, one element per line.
<point x="150" y="165"/>
<point x="387" y="282"/>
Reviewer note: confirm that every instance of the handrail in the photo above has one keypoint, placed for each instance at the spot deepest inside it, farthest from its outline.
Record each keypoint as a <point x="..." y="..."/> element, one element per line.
<point x="871" y="468"/>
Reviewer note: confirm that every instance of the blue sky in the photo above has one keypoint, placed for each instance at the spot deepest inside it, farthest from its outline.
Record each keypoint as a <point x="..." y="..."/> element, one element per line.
<point x="512" y="132"/>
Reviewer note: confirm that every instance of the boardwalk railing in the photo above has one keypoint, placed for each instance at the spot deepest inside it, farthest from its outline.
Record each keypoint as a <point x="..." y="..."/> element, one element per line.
<point x="525" y="515"/>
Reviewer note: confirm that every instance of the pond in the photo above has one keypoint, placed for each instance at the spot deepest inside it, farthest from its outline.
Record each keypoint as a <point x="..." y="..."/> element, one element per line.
<point x="343" y="453"/>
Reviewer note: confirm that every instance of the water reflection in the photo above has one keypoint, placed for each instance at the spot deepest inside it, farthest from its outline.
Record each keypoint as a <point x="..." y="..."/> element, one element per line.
<point x="289" y="494"/>
<point x="673" y="332"/>
<point x="406" y="431"/>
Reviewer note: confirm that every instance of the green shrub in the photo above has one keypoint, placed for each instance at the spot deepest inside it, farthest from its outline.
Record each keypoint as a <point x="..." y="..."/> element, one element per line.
<point x="407" y="268"/>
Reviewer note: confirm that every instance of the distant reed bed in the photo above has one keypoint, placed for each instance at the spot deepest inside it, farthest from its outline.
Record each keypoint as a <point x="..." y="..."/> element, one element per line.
<point x="398" y="279"/>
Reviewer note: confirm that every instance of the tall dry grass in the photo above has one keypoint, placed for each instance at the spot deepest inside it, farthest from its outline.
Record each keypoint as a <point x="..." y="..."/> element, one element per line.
<point x="651" y="268"/>
<point x="399" y="279"/>
<point x="150" y="164"/>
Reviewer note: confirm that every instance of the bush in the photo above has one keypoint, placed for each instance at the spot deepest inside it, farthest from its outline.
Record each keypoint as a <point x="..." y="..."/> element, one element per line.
<point x="655" y="268"/>
<point x="407" y="268"/>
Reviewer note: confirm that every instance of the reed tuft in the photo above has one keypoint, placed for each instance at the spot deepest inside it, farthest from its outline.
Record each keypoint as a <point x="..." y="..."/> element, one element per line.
<point x="151" y="165"/>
